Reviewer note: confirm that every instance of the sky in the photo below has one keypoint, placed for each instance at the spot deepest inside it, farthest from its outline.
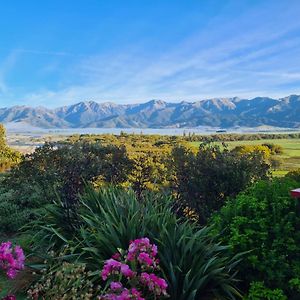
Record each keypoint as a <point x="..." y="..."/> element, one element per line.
<point x="55" y="53"/>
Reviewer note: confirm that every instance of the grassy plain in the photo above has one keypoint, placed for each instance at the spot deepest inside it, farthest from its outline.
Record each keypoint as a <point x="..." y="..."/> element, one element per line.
<point x="290" y="158"/>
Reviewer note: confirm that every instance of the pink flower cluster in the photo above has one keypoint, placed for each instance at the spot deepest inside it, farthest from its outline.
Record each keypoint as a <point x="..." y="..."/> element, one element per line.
<point x="131" y="275"/>
<point x="10" y="297"/>
<point x="155" y="284"/>
<point x="11" y="259"/>
<point x="120" y="293"/>
<point x="144" y="252"/>
<point x="113" y="266"/>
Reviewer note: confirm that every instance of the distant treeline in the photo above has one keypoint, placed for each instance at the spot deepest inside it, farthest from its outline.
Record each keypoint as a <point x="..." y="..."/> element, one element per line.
<point x="228" y="137"/>
<point x="191" y="137"/>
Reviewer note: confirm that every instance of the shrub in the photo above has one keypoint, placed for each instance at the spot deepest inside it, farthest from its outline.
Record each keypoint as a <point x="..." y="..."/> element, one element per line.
<point x="275" y="149"/>
<point x="16" y="208"/>
<point x="65" y="169"/>
<point x="264" y="150"/>
<point x="264" y="221"/>
<point x="204" y="180"/>
<point x="8" y="156"/>
<point x="149" y="172"/>
<point x="12" y="216"/>
<point x="63" y="281"/>
<point x="191" y="261"/>
<point x="57" y="169"/>
<point x="294" y="175"/>
<point x="258" y="291"/>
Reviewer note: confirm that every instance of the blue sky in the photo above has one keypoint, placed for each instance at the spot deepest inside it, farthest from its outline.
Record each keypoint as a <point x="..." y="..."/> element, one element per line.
<point x="55" y="53"/>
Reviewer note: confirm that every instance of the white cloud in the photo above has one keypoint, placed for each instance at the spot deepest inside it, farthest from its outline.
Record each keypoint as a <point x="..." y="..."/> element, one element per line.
<point x="249" y="56"/>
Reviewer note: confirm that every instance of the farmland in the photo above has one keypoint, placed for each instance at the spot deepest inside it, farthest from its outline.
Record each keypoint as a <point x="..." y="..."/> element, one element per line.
<point x="290" y="158"/>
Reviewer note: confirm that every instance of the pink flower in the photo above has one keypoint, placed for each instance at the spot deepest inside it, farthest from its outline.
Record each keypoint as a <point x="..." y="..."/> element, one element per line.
<point x="11" y="259"/>
<point x="132" y="294"/>
<point x="115" y="285"/>
<point x="10" y="297"/>
<point x="144" y="258"/>
<point x="112" y="267"/>
<point x="154" y="283"/>
<point x="116" y="256"/>
<point x="143" y="251"/>
<point x="126" y="271"/>
<point x="11" y="273"/>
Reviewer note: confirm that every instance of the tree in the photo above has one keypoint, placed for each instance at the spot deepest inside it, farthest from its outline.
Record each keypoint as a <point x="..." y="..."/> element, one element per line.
<point x="62" y="170"/>
<point x="65" y="168"/>
<point x="203" y="180"/>
<point x="149" y="172"/>
<point x="8" y="156"/>
<point x="2" y="137"/>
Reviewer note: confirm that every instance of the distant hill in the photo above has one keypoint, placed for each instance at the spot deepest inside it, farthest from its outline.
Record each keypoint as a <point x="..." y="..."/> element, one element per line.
<point x="218" y="112"/>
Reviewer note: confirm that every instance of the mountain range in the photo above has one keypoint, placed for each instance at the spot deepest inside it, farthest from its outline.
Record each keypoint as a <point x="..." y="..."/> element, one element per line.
<point x="217" y="112"/>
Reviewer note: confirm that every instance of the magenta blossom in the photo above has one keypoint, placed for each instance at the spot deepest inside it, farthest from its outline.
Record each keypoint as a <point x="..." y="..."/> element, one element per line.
<point x="131" y="271"/>
<point x="113" y="267"/>
<point x="115" y="285"/>
<point x="144" y="252"/>
<point x="155" y="284"/>
<point x="10" y="297"/>
<point x="132" y="294"/>
<point x="141" y="245"/>
<point x="11" y="259"/>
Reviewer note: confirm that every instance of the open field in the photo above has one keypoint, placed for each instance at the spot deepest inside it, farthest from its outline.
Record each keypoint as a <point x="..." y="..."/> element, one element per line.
<point x="290" y="158"/>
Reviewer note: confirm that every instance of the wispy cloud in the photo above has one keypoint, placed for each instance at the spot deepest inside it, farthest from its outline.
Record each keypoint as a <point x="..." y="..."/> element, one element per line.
<point x="250" y="55"/>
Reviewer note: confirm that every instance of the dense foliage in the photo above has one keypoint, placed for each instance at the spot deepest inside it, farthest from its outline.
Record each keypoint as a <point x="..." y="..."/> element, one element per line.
<point x="264" y="220"/>
<point x="221" y="224"/>
<point x="142" y="139"/>
<point x="63" y="281"/>
<point x="8" y="157"/>
<point x="192" y="262"/>
<point x="203" y="180"/>
<point x="57" y="171"/>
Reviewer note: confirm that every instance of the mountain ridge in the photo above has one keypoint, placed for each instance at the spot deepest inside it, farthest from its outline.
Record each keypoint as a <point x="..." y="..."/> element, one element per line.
<point x="215" y="112"/>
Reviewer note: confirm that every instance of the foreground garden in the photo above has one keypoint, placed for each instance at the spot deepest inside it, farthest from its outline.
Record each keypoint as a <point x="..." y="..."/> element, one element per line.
<point x="93" y="220"/>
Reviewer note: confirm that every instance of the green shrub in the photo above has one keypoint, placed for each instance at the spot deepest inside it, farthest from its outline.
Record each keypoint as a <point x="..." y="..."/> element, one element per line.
<point x="63" y="281"/>
<point x="204" y="180"/>
<point x="265" y="221"/>
<point x="8" y="156"/>
<point x="57" y="169"/>
<point x="65" y="169"/>
<point x="193" y="263"/>
<point x="294" y="175"/>
<point x="16" y="210"/>
<point x="258" y="291"/>
<point x="275" y="149"/>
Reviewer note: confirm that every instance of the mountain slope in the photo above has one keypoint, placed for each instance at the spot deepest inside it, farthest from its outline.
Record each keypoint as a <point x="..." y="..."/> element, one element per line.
<point x="217" y="112"/>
